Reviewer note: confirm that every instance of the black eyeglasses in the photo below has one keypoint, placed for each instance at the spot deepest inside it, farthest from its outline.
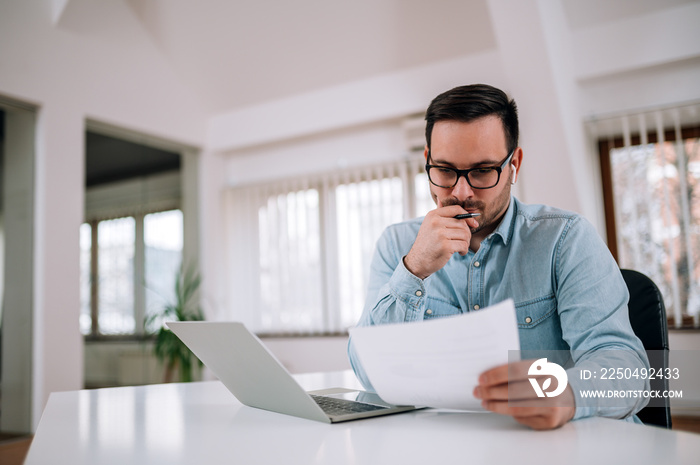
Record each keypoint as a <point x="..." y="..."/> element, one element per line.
<point x="484" y="177"/>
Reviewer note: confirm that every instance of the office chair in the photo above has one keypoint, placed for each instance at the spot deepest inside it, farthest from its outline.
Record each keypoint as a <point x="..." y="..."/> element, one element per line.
<point x="647" y="315"/>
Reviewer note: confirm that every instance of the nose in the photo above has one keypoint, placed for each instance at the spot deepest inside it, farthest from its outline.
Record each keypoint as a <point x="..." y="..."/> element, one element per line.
<point x="462" y="190"/>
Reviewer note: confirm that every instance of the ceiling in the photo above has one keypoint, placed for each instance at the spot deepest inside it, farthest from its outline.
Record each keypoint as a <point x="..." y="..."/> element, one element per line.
<point x="238" y="53"/>
<point x="108" y="159"/>
<point x="234" y="53"/>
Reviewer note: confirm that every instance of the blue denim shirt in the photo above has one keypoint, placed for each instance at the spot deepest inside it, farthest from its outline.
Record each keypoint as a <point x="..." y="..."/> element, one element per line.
<point x="568" y="291"/>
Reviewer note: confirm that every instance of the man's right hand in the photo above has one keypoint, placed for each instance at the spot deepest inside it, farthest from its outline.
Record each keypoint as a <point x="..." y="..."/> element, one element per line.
<point x="440" y="236"/>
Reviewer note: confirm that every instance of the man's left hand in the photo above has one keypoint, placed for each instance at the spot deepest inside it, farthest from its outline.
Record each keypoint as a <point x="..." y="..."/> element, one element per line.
<point x="507" y="390"/>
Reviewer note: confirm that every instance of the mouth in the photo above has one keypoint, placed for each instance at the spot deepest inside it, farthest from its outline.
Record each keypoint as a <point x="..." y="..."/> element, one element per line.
<point x="473" y="208"/>
<point x="468" y="205"/>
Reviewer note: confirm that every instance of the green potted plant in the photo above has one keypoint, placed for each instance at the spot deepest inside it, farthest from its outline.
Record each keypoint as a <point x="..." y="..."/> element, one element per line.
<point x="168" y="348"/>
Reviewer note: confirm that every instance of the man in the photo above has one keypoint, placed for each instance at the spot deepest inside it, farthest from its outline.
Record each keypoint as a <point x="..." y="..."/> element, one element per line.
<point x="568" y="291"/>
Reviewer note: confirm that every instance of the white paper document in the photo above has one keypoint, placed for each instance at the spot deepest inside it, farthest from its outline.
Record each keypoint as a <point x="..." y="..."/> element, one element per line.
<point x="436" y="363"/>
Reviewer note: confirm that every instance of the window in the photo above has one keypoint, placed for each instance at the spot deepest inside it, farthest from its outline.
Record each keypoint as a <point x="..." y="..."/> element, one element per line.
<point x="300" y="250"/>
<point x="651" y="180"/>
<point x="363" y="210"/>
<point x="163" y="241"/>
<point x="115" y="276"/>
<point x="290" y="260"/>
<point x="128" y="269"/>
<point x="85" y="278"/>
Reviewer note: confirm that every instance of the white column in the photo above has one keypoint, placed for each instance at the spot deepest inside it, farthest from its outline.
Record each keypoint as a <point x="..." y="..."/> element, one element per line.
<point x="536" y="48"/>
<point x="209" y="204"/>
<point x="58" y="344"/>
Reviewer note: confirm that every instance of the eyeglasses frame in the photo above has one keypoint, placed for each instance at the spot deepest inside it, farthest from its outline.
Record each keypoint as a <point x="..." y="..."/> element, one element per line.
<point x="465" y="173"/>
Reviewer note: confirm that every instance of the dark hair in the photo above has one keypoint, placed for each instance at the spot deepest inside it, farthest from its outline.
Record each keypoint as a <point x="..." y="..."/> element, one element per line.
<point x="468" y="103"/>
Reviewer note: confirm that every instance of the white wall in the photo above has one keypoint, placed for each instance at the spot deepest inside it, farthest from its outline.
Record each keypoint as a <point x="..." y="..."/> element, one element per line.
<point x="112" y="72"/>
<point x="115" y="363"/>
<point x="113" y="75"/>
<point x="110" y="364"/>
<point x="684" y="356"/>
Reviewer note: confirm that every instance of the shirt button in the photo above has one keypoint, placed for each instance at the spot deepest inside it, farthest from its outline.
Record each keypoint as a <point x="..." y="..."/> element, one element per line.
<point x="419" y="293"/>
<point x="528" y="320"/>
<point x="476" y="307"/>
<point x="428" y="312"/>
<point x="477" y="264"/>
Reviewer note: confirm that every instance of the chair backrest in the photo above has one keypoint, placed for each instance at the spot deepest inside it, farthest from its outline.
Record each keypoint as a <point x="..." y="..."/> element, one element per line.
<point x="647" y="315"/>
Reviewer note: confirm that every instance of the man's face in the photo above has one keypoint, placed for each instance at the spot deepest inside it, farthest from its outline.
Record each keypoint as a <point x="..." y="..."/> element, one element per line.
<point x="464" y="146"/>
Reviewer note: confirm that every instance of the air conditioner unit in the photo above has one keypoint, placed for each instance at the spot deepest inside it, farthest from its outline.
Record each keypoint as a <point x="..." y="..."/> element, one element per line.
<point x="414" y="132"/>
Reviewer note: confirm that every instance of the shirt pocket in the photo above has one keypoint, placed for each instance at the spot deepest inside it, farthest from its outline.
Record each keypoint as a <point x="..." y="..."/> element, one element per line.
<point x="532" y="313"/>
<point x="436" y="308"/>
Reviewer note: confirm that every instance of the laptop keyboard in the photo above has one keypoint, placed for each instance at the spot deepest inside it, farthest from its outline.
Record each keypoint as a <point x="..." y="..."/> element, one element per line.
<point x="336" y="407"/>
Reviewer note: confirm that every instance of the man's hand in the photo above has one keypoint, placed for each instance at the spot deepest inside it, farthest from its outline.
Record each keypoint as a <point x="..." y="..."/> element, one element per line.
<point x="440" y="236"/>
<point x="507" y="390"/>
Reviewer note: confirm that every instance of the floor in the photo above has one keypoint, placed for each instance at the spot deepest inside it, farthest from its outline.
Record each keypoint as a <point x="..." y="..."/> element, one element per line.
<point x="691" y="424"/>
<point x="13" y="449"/>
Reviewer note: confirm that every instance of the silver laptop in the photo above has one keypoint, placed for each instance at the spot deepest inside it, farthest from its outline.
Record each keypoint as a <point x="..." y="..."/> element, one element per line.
<point x="257" y="379"/>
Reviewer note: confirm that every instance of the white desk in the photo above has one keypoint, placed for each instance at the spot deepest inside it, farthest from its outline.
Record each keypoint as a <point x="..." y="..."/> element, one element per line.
<point x="202" y="423"/>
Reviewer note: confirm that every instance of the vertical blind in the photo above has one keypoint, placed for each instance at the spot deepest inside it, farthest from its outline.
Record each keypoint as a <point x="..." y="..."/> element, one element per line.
<point x="652" y="162"/>
<point x="300" y="249"/>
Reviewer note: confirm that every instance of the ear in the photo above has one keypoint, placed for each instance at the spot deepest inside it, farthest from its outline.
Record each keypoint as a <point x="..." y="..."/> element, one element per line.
<point x="425" y="153"/>
<point x="516" y="163"/>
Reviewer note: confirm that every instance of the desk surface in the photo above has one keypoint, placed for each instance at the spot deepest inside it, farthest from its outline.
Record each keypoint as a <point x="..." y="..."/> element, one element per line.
<point x="202" y="423"/>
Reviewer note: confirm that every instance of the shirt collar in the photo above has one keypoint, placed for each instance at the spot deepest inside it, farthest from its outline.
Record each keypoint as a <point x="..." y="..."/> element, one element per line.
<point x="505" y="229"/>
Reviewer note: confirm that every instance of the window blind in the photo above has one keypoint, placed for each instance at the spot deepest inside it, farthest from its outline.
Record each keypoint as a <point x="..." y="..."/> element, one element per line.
<point x="653" y="211"/>
<point x="300" y="249"/>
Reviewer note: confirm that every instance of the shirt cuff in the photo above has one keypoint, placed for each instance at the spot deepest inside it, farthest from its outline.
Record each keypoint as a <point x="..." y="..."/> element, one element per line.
<point x="410" y="289"/>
